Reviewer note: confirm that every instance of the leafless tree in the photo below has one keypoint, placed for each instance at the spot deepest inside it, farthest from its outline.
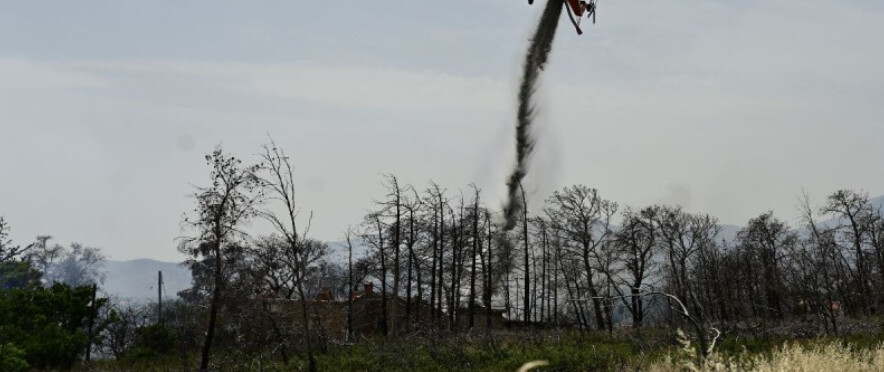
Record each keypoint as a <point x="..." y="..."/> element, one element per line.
<point x="436" y="204"/>
<point x="412" y="205"/>
<point x="766" y="240"/>
<point x="636" y="245"/>
<point x="584" y="219"/>
<point x="222" y="210"/>
<point x="855" y="218"/>
<point x="826" y="262"/>
<point x="278" y="179"/>
<point x="375" y="234"/>
<point x="473" y="255"/>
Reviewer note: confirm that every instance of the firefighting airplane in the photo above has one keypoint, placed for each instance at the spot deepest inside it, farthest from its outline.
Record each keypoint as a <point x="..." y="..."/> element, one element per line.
<point x="576" y="10"/>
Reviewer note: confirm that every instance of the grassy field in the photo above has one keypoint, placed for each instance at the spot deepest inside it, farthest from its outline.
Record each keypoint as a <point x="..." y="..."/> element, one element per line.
<point x="796" y="356"/>
<point x="651" y="350"/>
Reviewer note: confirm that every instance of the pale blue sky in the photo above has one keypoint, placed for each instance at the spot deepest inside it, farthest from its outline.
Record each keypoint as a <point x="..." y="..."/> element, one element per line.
<point x="728" y="107"/>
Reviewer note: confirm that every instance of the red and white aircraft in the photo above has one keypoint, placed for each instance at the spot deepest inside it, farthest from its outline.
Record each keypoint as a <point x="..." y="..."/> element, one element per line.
<point x="576" y="10"/>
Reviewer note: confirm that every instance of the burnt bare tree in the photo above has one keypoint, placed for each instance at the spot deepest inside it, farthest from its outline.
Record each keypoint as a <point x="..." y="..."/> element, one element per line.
<point x="636" y="246"/>
<point x="765" y="241"/>
<point x="223" y="208"/>
<point x="854" y="220"/>
<point x="376" y="233"/>
<point x="299" y="252"/>
<point x="412" y="205"/>
<point x="475" y="217"/>
<point x="584" y="219"/>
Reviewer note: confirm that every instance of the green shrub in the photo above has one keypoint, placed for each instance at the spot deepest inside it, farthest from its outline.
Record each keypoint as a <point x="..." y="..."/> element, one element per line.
<point x="12" y="359"/>
<point x="48" y="324"/>
<point x="152" y="341"/>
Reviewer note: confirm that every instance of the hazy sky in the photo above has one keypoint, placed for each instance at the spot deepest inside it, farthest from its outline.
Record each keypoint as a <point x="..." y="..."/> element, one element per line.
<point x="728" y="107"/>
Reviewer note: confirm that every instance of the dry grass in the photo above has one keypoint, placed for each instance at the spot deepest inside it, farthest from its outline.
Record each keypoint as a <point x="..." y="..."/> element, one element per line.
<point x="788" y="358"/>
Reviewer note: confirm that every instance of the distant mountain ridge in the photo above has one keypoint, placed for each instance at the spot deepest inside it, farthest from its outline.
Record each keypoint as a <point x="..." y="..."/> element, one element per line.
<point x="136" y="280"/>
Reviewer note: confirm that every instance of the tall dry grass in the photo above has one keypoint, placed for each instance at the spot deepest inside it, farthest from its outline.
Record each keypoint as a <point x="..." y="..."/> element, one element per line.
<point x="788" y="358"/>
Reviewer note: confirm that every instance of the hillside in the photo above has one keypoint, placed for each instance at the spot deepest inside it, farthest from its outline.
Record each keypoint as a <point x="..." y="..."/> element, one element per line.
<point x="137" y="279"/>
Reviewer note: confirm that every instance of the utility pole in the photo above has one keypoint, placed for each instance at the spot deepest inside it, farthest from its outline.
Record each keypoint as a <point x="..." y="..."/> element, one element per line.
<point x="160" y="297"/>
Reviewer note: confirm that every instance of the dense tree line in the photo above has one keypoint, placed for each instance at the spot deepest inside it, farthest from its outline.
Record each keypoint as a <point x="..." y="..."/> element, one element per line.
<point x="580" y="257"/>
<point x="576" y="261"/>
<point x="441" y="261"/>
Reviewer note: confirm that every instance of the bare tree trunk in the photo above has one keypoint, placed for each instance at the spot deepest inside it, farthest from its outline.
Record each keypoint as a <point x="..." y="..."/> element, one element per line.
<point x="456" y="267"/>
<point x="408" y="280"/>
<point x="637" y="310"/>
<point x="384" y="316"/>
<point x="506" y="289"/>
<point x="433" y="266"/>
<point x="308" y="338"/>
<point x="420" y="290"/>
<point x="411" y="264"/>
<point x="558" y="256"/>
<point x="213" y="308"/>
<point x="489" y="279"/>
<point x="597" y="307"/>
<point x="472" y="301"/>
<point x="526" y="312"/>
<point x="535" y="278"/>
<point x="577" y="304"/>
<point x="441" y="277"/>
<point x="544" y="296"/>
<point x="394" y="319"/>
<point x="349" y="287"/>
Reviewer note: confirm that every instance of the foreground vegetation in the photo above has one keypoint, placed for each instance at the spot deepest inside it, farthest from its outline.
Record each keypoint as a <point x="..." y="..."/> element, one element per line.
<point x="801" y="355"/>
<point x="437" y="352"/>
<point x="650" y="350"/>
